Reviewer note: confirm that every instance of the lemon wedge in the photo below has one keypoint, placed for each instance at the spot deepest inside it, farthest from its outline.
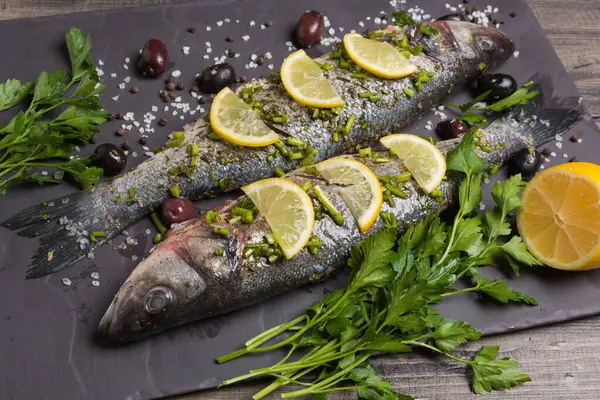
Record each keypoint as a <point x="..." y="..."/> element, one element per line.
<point x="560" y="222"/>
<point x="359" y="188"/>
<point x="424" y="161"/>
<point x="287" y="209"/>
<point x="235" y="121"/>
<point x="379" y="58"/>
<point x="305" y="82"/>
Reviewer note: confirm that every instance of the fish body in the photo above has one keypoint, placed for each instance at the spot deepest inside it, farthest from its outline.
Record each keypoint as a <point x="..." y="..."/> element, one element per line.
<point x="452" y="58"/>
<point x="185" y="279"/>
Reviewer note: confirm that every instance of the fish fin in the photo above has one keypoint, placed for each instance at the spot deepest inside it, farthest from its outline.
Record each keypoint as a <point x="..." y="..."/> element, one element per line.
<point x="554" y="115"/>
<point x="53" y="224"/>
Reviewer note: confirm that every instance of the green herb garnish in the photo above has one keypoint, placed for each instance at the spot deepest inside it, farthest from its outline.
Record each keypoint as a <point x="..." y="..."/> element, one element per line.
<point x="32" y="140"/>
<point x="387" y="305"/>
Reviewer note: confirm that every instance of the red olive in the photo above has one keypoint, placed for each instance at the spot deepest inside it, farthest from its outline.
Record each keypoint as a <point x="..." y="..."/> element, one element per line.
<point x="154" y="59"/>
<point x="451" y="129"/>
<point x="175" y="210"/>
<point x="308" y="29"/>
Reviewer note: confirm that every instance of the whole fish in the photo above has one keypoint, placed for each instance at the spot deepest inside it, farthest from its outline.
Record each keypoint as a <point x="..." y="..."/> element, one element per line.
<point x="450" y="58"/>
<point x="186" y="278"/>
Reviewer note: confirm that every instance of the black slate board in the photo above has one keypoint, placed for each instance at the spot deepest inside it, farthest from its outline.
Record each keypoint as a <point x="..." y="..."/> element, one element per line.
<point x="46" y="328"/>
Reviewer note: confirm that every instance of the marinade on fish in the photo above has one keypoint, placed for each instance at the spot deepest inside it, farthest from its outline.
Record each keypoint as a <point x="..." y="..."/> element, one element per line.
<point x="451" y="58"/>
<point x="184" y="279"/>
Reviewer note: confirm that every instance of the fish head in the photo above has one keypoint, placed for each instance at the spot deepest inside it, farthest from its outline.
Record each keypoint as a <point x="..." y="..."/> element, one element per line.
<point x="165" y="290"/>
<point x="468" y="43"/>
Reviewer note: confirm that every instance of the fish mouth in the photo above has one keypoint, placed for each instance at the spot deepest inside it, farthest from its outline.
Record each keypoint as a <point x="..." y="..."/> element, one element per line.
<point x="109" y="327"/>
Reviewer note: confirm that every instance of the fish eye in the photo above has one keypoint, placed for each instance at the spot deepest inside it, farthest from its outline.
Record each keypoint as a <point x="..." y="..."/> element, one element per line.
<point x="157" y="299"/>
<point x="485" y="43"/>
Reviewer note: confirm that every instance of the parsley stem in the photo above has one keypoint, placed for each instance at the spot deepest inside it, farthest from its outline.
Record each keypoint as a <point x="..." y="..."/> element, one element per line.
<point x="421" y="344"/>
<point x="280" y="381"/>
<point x="332" y="379"/>
<point x="471" y="289"/>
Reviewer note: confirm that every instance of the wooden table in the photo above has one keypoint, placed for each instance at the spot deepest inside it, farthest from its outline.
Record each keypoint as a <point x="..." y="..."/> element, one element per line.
<point x="563" y="360"/>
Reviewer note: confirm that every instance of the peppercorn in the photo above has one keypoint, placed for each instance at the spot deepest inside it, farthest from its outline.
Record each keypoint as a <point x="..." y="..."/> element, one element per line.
<point x="229" y="39"/>
<point x="574" y="138"/>
<point x="125" y="145"/>
<point x="143" y="140"/>
<point x="120" y="132"/>
<point x="268" y="23"/>
<point x="163" y="121"/>
<point x="170" y="86"/>
<point x="180" y="86"/>
<point x="135" y="90"/>
<point x="513" y="14"/>
<point x="118" y="115"/>
<point x="191" y="29"/>
<point x="230" y="53"/>
<point x="261" y="60"/>
<point x="546" y="152"/>
<point x="195" y="89"/>
<point x="172" y="96"/>
<point x="243" y="78"/>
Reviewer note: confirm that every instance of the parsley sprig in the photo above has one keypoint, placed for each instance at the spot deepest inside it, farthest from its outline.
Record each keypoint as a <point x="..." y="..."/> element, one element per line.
<point x="32" y="140"/>
<point x="520" y="97"/>
<point x="388" y="304"/>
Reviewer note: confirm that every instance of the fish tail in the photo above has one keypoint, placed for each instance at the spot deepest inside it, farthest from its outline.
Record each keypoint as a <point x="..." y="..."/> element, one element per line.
<point x="546" y="115"/>
<point x="64" y="227"/>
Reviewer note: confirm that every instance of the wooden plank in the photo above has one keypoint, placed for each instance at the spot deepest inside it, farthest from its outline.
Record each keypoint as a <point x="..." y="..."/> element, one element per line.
<point x="563" y="360"/>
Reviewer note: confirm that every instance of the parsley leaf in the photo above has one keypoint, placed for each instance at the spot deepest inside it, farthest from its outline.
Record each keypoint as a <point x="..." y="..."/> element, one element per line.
<point x="449" y="334"/>
<point x="491" y="372"/>
<point x="79" y="52"/>
<point x="463" y="158"/>
<point x="517" y="250"/>
<point x="372" y="255"/>
<point x="500" y="291"/>
<point x="12" y="92"/>
<point x="520" y="97"/>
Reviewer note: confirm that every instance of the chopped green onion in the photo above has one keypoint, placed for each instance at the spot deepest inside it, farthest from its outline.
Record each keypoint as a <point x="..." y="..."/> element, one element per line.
<point x="178" y="135"/>
<point x="381" y="160"/>
<point x="279" y="172"/>
<point x="295" y="142"/>
<point x="366" y="152"/>
<point x="296" y="156"/>
<point x="436" y="193"/>
<point x="315" y="113"/>
<point x="158" y="238"/>
<point x="408" y="92"/>
<point x="158" y="223"/>
<point x="335" y="137"/>
<point x="273" y="258"/>
<point x="221" y="231"/>
<point x="193" y="149"/>
<point x="306" y="186"/>
<point x="278" y="120"/>
<point x="359" y="75"/>
<point x="328" y="205"/>
<point x="395" y="191"/>
<point x="403" y="177"/>
<point x="281" y="147"/>
<point x="248" y="217"/>
<point x="219" y="251"/>
<point x="349" y="123"/>
<point x="213" y="136"/>
<point x="211" y="217"/>
<point x="375" y="98"/>
<point x="365" y="95"/>
<point x="174" y="191"/>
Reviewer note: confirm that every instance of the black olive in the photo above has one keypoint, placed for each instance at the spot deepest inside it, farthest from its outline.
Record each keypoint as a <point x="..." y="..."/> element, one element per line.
<point x="526" y="162"/>
<point x="154" y="59"/>
<point x="110" y="158"/>
<point x="175" y="210"/>
<point x="500" y="85"/>
<point x="452" y="17"/>
<point x="451" y="129"/>
<point x="308" y="28"/>
<point x="216" y="77"/>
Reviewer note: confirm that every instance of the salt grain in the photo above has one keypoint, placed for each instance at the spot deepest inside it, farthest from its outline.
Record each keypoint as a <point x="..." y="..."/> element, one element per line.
<point x="220" y="23"/>
<point x="113" y="75"/>
<point x="96" y="283"/>
<point x="208" y="28"/>
<point x="95" y="275"/>
<point x="125" y="66"/>
<point x="245" y="38"/>
<point x="176" y="73"/>
<point x="66" y="281"/>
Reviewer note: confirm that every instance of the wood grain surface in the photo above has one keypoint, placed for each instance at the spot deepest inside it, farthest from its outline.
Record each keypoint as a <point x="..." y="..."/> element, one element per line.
<point x="563" y="360"/>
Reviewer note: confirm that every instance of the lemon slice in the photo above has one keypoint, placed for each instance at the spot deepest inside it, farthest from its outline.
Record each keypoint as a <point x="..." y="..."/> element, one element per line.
<point x="360" y="188"/>
<point x="379" y="58"/>
<point x="287" y="209"/>
<point x="560" y="222"/>
<point x="305" y="82"/>
<point x="235" y="121"/>
<point x="424" y="161"/>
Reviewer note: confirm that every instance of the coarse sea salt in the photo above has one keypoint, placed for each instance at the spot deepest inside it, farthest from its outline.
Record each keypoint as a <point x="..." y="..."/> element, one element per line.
<point x="96" y="283"/>
<point x="95" y="275"/>
<point x="66" y="281"/>
<point x="176" y="73"/>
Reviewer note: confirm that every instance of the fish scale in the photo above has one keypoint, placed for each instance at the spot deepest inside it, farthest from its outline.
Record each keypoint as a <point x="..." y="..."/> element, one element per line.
<point x="453" y="55"/>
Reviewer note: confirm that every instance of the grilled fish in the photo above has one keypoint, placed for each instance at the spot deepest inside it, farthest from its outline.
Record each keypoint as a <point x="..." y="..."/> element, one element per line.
<point x="451" y="58"/>
<point x="183" y="280"/>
